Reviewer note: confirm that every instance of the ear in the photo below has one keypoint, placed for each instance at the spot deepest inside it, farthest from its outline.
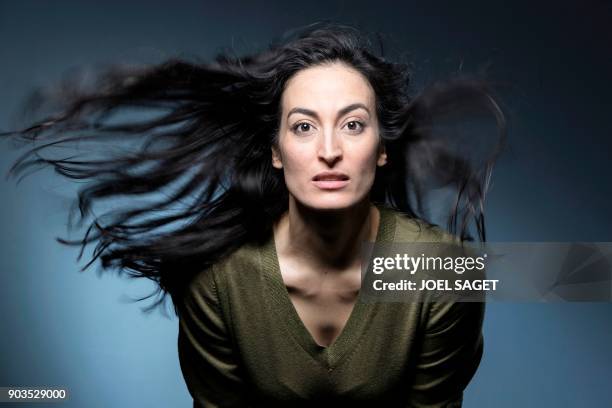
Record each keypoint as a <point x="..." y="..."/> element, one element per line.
<point x="276" y="160"/>
<point x="382" y="156"/>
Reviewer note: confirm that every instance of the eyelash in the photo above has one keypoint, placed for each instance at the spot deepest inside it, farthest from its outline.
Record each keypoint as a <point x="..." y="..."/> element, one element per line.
<point x="295" y="127"/>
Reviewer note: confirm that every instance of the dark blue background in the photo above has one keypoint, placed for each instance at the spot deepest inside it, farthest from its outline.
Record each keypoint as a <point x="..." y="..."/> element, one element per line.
<point x="62" y="328"/>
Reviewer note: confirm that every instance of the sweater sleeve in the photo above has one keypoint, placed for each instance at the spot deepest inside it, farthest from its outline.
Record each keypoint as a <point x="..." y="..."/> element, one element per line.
<point x="450" y="352"/>
<point x="207" y="357"/>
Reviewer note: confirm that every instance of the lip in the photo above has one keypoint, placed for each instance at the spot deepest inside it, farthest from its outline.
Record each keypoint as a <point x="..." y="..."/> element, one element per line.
<point x="330" y="180"/>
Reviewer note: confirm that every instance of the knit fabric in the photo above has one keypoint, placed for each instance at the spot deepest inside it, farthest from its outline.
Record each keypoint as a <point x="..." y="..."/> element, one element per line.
<point x="241" y="342"/>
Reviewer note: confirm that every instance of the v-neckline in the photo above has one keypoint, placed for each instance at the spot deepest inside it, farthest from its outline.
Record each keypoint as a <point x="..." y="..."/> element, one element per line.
<point x="282" y="306"/>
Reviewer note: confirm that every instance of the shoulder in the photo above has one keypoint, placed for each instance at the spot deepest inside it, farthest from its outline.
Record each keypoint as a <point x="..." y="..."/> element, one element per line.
<point x="236" y="272"/>
<point x="246" y="257"/>
<point x="236" y="268"/>
<point x="411" y="229"/>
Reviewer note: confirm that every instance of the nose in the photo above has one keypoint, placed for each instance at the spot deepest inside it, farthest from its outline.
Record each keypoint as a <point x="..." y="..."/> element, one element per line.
<point x="330" y="149"/>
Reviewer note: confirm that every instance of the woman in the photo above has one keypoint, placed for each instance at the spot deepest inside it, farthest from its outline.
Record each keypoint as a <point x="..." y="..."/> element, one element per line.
<point x="291" y="157"/>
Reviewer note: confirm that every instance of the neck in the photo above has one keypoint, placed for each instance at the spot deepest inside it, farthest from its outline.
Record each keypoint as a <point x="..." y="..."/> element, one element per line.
<point x="326" y="239"/>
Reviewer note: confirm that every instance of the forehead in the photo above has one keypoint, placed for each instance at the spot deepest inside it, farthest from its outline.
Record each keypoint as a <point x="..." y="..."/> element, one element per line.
<point x="330" y="86"/>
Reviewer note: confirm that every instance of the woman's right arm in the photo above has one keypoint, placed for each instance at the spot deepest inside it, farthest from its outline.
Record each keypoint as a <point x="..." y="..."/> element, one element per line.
<point x="208" y="360"/>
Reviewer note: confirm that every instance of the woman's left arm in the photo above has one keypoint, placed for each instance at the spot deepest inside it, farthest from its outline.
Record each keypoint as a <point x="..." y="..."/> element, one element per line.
<point x="450" y="352"/>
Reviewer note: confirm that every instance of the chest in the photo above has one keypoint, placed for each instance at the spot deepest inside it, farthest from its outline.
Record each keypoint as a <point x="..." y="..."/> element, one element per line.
<point x="323" y="301"/>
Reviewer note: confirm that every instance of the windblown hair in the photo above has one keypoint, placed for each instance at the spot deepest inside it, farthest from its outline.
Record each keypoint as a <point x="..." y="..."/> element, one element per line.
<point x="209" y="136"/>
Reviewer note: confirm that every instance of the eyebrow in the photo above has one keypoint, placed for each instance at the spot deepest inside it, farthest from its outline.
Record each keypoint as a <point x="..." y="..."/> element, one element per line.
<point x="341" y="112"/>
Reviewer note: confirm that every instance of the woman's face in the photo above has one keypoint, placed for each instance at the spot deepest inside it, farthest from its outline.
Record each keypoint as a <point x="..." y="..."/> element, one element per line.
<point x="328" y="142"/>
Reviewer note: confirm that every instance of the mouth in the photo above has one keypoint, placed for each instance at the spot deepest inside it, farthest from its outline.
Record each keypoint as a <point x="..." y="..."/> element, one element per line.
<point x="330" y="181"/>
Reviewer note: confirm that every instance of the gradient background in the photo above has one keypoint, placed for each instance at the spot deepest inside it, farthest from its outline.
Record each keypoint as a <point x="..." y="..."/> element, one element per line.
<point x="62" y="328"/>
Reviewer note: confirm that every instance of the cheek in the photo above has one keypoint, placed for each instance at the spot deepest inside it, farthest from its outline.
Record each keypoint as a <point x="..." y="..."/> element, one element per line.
<point x="366" y="158"/>
<point x="297" y="162"/>
<point x="295" y="159"/>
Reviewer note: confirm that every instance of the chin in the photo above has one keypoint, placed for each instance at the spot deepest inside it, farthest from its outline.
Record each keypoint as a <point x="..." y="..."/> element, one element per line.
<point x="330" y="203"/>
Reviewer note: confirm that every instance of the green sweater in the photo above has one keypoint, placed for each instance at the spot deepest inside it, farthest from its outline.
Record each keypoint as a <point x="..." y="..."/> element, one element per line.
<point x="241" y="341"/>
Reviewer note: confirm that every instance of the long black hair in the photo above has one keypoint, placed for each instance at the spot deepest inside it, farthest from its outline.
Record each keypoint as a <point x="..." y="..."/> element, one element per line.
<point x="204" y="151"/>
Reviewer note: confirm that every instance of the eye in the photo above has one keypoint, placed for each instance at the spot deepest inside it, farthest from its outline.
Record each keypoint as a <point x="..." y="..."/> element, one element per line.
<point x="355" y="126"/>
<point x="301" y="127"/>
